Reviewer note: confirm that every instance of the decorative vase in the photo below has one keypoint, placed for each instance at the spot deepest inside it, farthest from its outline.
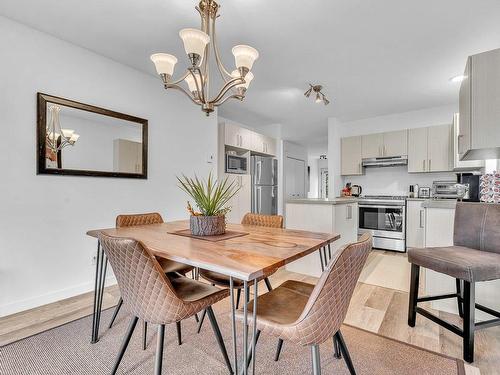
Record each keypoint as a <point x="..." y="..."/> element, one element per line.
<point x="207" y="225"/>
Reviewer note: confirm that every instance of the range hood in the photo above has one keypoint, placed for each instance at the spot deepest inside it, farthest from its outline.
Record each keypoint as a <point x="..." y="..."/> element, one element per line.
<point x="390" y="161"/>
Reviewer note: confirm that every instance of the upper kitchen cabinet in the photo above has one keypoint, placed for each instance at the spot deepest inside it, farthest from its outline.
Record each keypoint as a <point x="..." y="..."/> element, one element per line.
<point x="462" y="165"/>
<point x="479" y="101"/>
<point x="395" y="143"/>
<point x="351" y="156"/>
<point x="372" y="145"/>
<point x="263" y="144"/>
<point x="430" y="149"/>
<point x="387" y="144"/>
<point x="237" y="136"/>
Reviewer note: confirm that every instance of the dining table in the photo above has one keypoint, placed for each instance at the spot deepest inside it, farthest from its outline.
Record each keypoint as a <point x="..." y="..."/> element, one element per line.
<point x="246" y="252"/>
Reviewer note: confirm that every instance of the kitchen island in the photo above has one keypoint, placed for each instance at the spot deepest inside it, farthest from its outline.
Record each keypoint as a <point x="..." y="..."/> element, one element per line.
<point x="333" y="215"/>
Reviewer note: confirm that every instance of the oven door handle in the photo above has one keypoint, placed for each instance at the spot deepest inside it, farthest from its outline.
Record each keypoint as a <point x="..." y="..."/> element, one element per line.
<point x="379" y="206"/>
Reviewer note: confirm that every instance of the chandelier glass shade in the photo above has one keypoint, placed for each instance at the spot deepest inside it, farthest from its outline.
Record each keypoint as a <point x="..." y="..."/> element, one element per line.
<point x="56" y="137"/>
<point x="199" y="44"/>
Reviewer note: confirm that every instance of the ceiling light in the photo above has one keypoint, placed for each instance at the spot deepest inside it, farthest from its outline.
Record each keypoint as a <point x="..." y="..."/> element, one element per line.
<point x="458" y="79"/>
<point x="320" y="97"/>
<point x="197" y="45"/>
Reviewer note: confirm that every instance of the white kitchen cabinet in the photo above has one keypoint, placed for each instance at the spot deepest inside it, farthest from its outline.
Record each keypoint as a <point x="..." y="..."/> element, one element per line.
<point x="327" y="218"/>
<point x="241" y="203"/>
<point x="395" y="143"/>
<point x="372" y="145"/>
<point x="462" y="165"/>
<point x="237" y="136"/>
<point x="351" y="156"/>
<point x="127" y="156"/>
<point x="430" y="149"/>
<point x="479" y="102"/>
<point x="439" y="148"/>
<point x="415" y="224"/>
<point x="417" y="150"/>
<point x="263" y="144"/>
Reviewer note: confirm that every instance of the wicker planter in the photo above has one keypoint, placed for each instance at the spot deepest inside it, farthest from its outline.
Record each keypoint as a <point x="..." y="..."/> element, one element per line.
<point x="207" y="225"/>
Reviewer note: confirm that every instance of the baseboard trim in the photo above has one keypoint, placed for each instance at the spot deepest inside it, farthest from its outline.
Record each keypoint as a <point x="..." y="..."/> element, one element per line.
<point x="30" y="303"/>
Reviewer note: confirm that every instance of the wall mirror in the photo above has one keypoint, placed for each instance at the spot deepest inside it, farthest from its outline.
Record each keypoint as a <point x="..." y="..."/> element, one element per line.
<point x="84" y="140"/>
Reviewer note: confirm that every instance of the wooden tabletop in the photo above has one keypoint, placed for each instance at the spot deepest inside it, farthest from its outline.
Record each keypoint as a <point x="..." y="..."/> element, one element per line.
<point x="248" y="257"/>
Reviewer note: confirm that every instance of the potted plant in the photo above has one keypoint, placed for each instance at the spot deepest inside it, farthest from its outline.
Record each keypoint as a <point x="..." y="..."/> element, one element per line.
<point x="211" y="198"/>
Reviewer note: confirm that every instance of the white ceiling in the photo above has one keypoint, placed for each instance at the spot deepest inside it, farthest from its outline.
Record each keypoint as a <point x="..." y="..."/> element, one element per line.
<point x="373" y="57"/>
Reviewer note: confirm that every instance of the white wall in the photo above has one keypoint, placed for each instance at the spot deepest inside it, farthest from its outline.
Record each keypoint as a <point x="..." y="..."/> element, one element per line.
<point x="45" y="254"/>
<point x="391" y="180"/>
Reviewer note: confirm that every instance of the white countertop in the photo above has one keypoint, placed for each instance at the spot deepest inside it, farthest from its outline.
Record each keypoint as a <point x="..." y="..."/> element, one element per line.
<point x="343" y="200"/>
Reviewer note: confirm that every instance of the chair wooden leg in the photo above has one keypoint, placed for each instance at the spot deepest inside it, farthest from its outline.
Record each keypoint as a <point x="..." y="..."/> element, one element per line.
<point x="412" y="308"/>
<point x="218" y="336"/>
<point x="337" y="352"/>
<point x="179" y="332"/>
<point x="125" y="342"/>
<point x="117" y="309"/>
<point x="268" y="284"/>
<point x="238" y="296"/>
<point x="144" y="335"/>
<point x="316" y="361"/>
<point x="469" y="323"/>
<point x="278" y="350"/>
<point x="159" y="349"/>
<point x="202" y="318"/>
<point x="459" y="298"/>
<point x="345" y="352"/>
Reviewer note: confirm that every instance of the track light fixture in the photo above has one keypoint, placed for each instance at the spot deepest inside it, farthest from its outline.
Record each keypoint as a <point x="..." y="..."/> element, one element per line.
<point x="320" y="97"/>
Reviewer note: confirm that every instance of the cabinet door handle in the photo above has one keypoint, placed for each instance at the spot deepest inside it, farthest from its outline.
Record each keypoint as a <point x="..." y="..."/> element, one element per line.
<point x="385" y="151"/>
<point x="349" y="213"/>
<point x="423" y="165"/>
<point x="421" y="218"/>
<point x="429" y="164"/>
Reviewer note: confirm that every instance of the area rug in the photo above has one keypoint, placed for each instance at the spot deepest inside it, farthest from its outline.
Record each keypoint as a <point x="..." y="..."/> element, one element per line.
<point x="67" y="350"/>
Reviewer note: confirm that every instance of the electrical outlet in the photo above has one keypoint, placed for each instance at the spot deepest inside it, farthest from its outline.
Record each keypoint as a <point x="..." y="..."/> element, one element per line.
<point x="93" y="260"/>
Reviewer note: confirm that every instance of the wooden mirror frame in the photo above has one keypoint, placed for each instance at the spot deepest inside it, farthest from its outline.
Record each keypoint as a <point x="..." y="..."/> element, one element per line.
<point x="43" y="99"/>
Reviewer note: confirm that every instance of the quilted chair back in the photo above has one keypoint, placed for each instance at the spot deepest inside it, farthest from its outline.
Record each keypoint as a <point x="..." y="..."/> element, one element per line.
<point x="138" y="219"/>
<point x="327" y="306"/>
<point x="146" y="291"/>
<point x="477" y="226"/>
<point x="271" y="221"/>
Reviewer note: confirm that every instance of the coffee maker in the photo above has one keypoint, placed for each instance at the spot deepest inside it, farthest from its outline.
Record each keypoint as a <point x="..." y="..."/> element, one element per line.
<point x="471" y="182"/>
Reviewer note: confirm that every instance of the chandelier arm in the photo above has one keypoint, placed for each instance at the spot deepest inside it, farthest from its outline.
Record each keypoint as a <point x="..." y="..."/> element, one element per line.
<point x="234" y="96"/>
<point x="180" y="79"/>
<point x="180" y="88"/>
<point x="201" y="90"/>
<point x="228" y="86"/>
<point x="220" y="66"/>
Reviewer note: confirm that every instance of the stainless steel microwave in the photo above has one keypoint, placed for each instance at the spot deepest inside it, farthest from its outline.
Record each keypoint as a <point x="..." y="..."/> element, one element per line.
<point x="236" y="164"/>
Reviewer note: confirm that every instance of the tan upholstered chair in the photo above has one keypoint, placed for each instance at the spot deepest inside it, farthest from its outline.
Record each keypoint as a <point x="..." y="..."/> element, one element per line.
<point x="150" y="295"/>
<point x="270" y="221"/>
<point x="168" y="266"/>
<point x="474" y="257"/>
<point x="309" y="315"/>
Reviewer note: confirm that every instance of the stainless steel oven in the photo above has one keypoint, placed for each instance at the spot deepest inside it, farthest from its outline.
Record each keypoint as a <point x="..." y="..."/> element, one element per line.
<point x="385" y="218"/>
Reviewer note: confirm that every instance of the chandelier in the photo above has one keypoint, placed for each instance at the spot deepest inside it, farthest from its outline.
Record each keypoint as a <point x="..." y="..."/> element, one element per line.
<point x="56" y="137"/>
<point x="320" y="97"/>
<point x="197" y="76"/>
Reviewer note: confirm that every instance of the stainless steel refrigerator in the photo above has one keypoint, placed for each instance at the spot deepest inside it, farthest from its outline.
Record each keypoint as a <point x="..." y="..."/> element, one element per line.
<point x="264" y="171"/>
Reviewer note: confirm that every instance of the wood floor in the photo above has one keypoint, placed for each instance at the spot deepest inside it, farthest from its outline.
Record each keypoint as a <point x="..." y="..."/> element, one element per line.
<point x="374" y="308"/>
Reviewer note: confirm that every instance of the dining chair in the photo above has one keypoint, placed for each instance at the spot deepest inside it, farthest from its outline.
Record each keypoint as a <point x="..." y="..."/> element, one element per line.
<point x="309" y="315"/>
<point x="150" y="295"/>
<point x="170" y="267"/>
<point x="221" y="280"/>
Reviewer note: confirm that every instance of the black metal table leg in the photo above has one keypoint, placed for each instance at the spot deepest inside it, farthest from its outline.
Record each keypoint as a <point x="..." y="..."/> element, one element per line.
<point x="100" y="276"/>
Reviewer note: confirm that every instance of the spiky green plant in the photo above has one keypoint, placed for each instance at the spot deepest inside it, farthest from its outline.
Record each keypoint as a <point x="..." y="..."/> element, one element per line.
<point x="210" y="196"/>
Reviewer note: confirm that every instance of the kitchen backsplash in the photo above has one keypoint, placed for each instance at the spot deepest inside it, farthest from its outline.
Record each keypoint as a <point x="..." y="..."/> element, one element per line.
<point x="394" y="180"/>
